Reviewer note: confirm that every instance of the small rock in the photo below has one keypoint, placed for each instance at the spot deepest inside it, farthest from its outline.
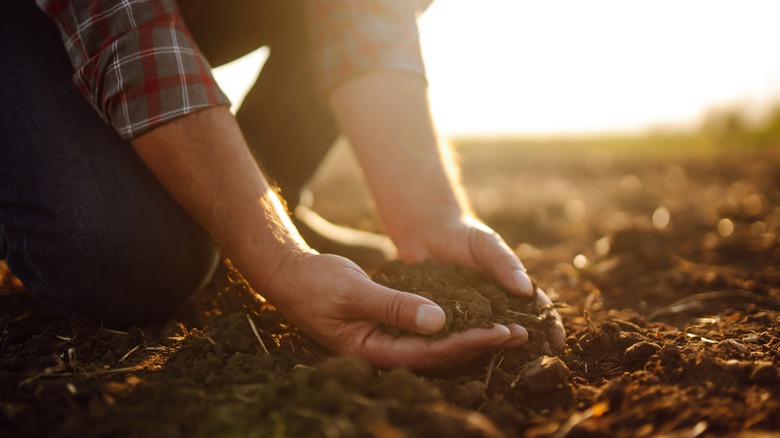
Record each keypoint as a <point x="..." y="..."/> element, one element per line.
<point x="762" y="318"/>
<point x="640" y="352"/>
<point x="734" y="345"/>
<point x="764" y="373"/>
<point x="470" y="395"/>
<point x="171" y="332"/>
<point x="627" y="326"/>
<point x="544" y="375"/>
<point x="735" y="367"/>
<point x="629" y="338"/>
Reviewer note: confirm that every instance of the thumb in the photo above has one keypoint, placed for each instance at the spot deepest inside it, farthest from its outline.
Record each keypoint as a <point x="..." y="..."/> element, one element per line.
<point x="399" y="309"/>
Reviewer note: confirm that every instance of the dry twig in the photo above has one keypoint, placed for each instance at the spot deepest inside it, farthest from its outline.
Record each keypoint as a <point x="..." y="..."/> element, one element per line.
<point x="257" y="335"/>
<point x="115" y="332"/>
<point x="683" y="304"/>
<point x="52" y="372"/>
<point x="73" y="361"/>
<point x="490" y="367"/>
<point x="132" y="350"/>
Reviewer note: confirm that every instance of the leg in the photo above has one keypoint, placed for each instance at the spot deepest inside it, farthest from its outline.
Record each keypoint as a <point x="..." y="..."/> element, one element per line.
<point x="83" y="223"/>
<point x="288" y="125"/>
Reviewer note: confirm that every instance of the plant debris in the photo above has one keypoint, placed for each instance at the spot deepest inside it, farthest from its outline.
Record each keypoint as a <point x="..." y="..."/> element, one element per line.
<point x="467" y="298"/>
<point x="654" y="347"/>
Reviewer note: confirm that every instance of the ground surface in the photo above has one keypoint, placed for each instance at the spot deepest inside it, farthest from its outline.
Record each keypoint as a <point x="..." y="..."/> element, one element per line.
<point x="668" y="267"/>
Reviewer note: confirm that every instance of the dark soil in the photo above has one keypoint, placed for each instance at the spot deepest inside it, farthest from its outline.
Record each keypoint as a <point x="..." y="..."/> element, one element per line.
<point x="468" y="299"/>
<point x="672" y="316"/>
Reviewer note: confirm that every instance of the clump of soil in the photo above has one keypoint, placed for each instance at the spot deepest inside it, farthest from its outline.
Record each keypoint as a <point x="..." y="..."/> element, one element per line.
<point x="673" y="328"/>
<point x="468" y="299"/>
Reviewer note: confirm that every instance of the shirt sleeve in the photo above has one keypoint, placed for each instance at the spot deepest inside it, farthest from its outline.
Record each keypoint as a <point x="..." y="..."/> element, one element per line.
<point x="135" y="61"/>
<point x="354" y="37"/>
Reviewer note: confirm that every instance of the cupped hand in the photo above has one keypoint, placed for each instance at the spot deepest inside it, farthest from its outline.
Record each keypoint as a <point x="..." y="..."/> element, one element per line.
<point x="332" y="300"/>
<point x="467" y="242"/>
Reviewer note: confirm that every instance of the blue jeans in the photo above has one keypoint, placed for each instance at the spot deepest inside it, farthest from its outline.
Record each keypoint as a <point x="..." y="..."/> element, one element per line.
<point x="288" y="125"/>
<point x="83" y="223"/>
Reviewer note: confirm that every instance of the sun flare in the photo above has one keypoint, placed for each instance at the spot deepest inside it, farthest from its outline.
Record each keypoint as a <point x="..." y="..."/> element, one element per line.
<point x="522" y="67"/>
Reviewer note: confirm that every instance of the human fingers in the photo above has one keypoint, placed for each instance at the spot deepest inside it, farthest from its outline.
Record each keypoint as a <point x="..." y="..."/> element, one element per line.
<point x="557" y="332"/>
<point x="387" y="351"/>
<point x="519" y="336"/>
<point x="495" y="258"/>
<point x="408" y="311"/>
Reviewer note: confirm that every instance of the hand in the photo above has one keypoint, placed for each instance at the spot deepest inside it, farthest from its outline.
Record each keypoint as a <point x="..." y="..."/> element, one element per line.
<point x="386" y="117"/>
<point x="332" y="300"/>
<point x="469" y="243"/>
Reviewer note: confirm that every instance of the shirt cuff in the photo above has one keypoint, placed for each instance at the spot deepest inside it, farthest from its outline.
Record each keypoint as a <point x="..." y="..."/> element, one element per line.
<point x="354" y="37"/>
<point x="149" y="76"/>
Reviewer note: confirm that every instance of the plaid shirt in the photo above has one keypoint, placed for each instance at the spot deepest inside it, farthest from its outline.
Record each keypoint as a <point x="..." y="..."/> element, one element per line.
<point x="139" y="67"/>
<point x="352" y="37"/>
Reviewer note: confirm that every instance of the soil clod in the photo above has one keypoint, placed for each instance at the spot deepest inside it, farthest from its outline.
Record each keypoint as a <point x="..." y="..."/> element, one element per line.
<point x="468" y="299"/>
<point x="670" y="332"/>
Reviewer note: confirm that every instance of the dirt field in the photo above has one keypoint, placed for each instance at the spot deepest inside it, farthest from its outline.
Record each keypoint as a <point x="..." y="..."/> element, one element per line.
<point x="665" y="267"/>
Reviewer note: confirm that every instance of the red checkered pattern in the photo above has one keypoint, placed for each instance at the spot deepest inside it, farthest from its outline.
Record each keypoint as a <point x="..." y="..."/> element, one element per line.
<point x="135" y="61"/>
<point x="138" y="65"/>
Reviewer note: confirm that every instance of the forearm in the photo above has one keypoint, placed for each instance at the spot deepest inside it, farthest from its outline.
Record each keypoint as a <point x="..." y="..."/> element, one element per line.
<point x="203" y="161"/>
<point x="387" y="119"/>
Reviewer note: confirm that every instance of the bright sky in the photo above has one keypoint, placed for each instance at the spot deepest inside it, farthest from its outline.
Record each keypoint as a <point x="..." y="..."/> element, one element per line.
<point x="538" y="67"/>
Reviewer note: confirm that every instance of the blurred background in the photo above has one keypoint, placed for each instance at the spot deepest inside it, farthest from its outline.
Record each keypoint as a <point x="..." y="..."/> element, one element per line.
<point x="522" y="68"/>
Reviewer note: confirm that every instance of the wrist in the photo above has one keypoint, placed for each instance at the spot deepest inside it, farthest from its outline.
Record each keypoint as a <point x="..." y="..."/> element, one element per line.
<point x="262" y="254"/>
<point x="274" y="273"/>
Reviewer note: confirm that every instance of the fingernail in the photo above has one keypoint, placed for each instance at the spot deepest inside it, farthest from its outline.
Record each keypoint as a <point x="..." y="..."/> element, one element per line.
<point x="518" y="331"/>
<point x="522" y="281"/>
<point x="519" y="336"/>
<point x="429" y="319"/>
<point x="558" y="337"/>
<point x="506" y="335"/>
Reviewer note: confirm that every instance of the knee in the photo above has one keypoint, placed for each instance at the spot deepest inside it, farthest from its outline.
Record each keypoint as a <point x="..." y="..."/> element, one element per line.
<point x="121" y="268"/>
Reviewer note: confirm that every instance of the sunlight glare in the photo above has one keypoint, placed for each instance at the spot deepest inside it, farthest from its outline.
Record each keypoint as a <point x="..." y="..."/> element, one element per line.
<point x="564" y="66"/>
<point x="236" y="77"/>
<point x="509" y="66"/>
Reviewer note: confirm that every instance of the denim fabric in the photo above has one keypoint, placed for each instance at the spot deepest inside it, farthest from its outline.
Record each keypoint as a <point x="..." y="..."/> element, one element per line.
<point x="83" y="223"/>
<point x="287" y="123"/>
